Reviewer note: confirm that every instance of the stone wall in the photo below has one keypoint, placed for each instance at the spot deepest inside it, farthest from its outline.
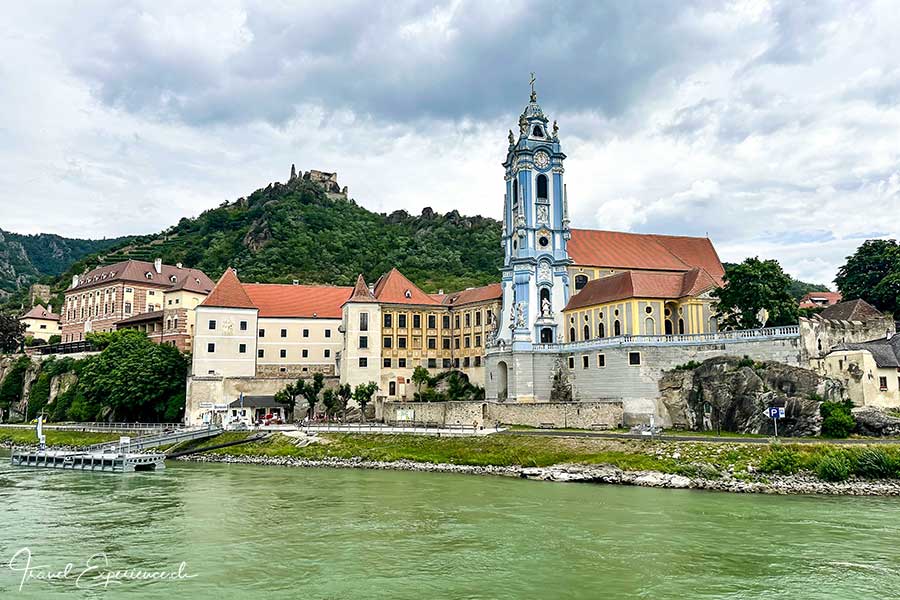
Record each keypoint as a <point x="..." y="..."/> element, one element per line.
<point x="820" y="335"/>
<point x="579" y="415"/>
<point x="529" y="374"/>
<point x="293" y="371"/>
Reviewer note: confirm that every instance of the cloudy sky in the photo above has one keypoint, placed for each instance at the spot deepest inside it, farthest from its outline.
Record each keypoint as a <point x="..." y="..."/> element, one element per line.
<point x="772" y="127"/>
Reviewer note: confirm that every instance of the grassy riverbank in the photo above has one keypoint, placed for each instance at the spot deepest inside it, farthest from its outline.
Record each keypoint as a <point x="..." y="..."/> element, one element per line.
<point x="26" y="435"/>
<point x="694" y="459"/>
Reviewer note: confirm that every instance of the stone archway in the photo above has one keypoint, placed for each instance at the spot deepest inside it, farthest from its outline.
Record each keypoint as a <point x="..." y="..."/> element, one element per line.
<point x="502" y="381"/>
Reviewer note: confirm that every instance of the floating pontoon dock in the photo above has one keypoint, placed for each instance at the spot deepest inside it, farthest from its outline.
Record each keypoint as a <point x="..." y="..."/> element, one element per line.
<point x="114" y="462"/>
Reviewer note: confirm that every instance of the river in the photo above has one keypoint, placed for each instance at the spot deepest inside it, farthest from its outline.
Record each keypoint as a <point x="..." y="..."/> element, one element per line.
<point x="267" y="532"/>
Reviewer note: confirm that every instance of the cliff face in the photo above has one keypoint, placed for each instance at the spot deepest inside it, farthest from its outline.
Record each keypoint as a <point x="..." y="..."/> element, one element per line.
<point x="731" y="394"/>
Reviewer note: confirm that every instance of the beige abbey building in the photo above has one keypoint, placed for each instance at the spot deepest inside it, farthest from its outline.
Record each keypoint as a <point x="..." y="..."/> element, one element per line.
<point x="41" y="323"/>
<point x="251" y="339"/>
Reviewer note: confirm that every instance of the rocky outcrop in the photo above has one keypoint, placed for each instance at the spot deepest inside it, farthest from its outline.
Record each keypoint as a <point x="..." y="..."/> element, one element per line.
<point x="731" y="394"/>
<point x="873" y="421"/>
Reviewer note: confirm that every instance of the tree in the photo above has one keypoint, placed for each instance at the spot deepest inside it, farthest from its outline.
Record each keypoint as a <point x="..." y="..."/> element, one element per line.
<point x="344" y="393"/>
<point x="302" y="387"/>
<point x="420" y="377"/>
<point x="873" y="274"/>
<point x="54" y="339"/>
<point x="363" y="395"/>
<point x="12" y="333"/>
<point x="133" y="379"/>
<point x="330" y="400"/>
<point x="751" y="286"/>
<point x="288" y="397"/>
<point x="11" y="386"/>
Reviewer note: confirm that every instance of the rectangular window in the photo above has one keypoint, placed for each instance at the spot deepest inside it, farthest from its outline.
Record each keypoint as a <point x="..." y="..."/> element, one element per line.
<point x="477" y="361"/>
<point x="478" y="318"/>
<point x="306" y="333"/>
<point x="401" y="321"/>
<point x="284" y="333"/>
<point x="445" y="343"/>
<point x="455" y="363"/>
<point x="387" y="319"/>
<point x="432" y="343"/>
<point x="363" y="341"/>
<point x="210" y="347"/>
<point x="392" y="388"/>
<point x="468" y="342"/>
<point x="432" y="321"/>
<point x="417" y="321"/>
<point x="327" y="353"/>
<point x="243" y="325"/>
<point x="304" y="353"/>
<point x="387" y="342"/>
<point x="282" y="353"/>
<point x="446" y="363"/>
<point x="882" y="384"/>
<point x="478" y="341"/>
<point x="363" y="362"/>
<point x="456" y="322"/>
<point x="468" y="319"/>
<point x="445" y="321"/>
<point x="262" y="333"/>
<point x="386" y="363"/>
<point x="466" y="362"/>
<point x="584" y="362"/>
<point x="401" y="342"/>
<point x="212" y="324"/>
<point x="432" y="363"/>
<point x="242" y="348"/>
<point x="634" y="358"/>
<point x="571" y="362"/>
<point x="364" y="321"/>
<point x="601" y="360"/>
<point x="127" y="309"/>
<point x="328" y="333"/>
<point x="260" y="353"/>
<point x="456" y="343"/>
<point x="401" y="362"/>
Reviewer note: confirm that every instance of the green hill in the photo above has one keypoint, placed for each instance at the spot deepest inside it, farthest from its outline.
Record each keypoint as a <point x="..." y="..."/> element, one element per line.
<point x="26" y="259"/>
<point x="298" y="231"/>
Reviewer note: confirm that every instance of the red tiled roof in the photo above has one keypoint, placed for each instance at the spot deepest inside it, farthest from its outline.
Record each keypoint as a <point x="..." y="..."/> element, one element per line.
<point x="361" y="291"/>
<point x="641" y="284"/>
<point x="830" y="298"/>
<point x="472" y="295"/>
<point x="394" y="288"/>
<point x="285" y="300"/>
<point x="619" y="250"/>
<point x="171" y="276"/>
<point x="228" y="293"/>
<point x="39" y="312"/>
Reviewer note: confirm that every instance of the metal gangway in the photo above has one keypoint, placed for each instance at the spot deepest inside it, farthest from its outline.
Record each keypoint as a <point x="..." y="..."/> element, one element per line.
<point x="160" y="439"/>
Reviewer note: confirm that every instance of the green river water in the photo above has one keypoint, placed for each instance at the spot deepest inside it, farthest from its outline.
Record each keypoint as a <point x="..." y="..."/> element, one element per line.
<point x="268" y="532"/>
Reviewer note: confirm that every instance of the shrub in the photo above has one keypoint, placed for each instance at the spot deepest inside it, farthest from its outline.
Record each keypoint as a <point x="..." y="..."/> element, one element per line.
<point x="54" y="339"/>
<point x="834" y="466"/>
<point x="875" y="463"/>
<point x="746" y="362"/>
<point x="837" y="422"/>
<point x="688" y="366"/>
<point x="780" y="459"/>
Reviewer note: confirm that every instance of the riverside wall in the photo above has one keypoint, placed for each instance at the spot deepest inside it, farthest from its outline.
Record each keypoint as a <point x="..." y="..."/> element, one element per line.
<point x="557" y="415"/>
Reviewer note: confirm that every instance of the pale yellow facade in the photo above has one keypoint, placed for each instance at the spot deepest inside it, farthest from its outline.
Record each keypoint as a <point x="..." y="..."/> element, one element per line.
<point x="640" y="316"/>
<point x="41" y="328"/>
<point x="866" y="383"/>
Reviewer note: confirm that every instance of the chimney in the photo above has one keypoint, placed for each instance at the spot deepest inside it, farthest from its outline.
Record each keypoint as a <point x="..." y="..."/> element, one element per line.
<point x="441" y="292"/>
<point x="178" y="265"/>
<point x="50" y="310"/>
<point x="74" y="280"/>
<point x="372" y="288"/>
<point x="157" y="265"/>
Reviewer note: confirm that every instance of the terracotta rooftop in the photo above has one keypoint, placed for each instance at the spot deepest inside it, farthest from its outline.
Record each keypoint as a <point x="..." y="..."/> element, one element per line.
<point x="155" y="315"/>
<point x="394" y="288"/>
<point x="619" y="250"/>
<point x="228" y="293"/>
<point x="851" y="310"/>
<point x="641" y="284"/>
<point x="819" y="299"/>
<point x="361" y="291"/>
<point x="309" y="301"/>
<point x="472" y="295"/>
<point x="39" y="312"/>
<point x="139" y="271"/>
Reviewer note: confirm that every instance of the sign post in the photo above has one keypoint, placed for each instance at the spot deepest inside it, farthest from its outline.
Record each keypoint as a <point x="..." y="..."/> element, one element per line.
<point x="775" y="413"/>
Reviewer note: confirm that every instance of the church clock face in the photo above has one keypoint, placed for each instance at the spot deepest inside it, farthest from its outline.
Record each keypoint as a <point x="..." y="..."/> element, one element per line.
<point x="541" y="159"/>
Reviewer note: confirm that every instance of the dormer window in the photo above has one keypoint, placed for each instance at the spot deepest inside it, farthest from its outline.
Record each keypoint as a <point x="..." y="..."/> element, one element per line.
<point x="407" y="294"/>
<point x="148" y="275"/>
<point x="173" y="279"/>
<point x="537" y="132"/>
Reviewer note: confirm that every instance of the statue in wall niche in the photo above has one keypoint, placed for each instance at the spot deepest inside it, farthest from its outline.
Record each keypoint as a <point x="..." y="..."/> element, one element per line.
<point x="520" y="314"/>
<point x="512" y="316"/>
<point x="555" y="130"/>
<point x="523" y="124"/>
<point x="512" y="138"/>
<point x="546" y="310"/>
<point x="543" y="214"/>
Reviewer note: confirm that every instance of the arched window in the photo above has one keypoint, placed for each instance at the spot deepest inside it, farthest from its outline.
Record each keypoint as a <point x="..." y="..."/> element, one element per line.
<point x="681" y="326"/>
<point x="668" y="327"/>
<point x="542" y="186"/>
<point x="515" y="198"/>
<point x="587" y="332"/>
<point x="545" y="295"/>
<point x="580" y="281"/>
<point x="536" y="132"/>
<point x="571" y="334"/>
<point x="617" y="328"/>
<point x="601" y="330"/>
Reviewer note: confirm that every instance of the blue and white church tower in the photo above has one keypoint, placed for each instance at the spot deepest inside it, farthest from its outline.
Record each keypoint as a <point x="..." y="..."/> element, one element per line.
<point x="535" y="233"/>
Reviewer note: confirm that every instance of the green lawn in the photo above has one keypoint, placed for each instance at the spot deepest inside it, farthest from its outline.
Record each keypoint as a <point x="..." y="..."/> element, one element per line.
<point x="27" y="435"/>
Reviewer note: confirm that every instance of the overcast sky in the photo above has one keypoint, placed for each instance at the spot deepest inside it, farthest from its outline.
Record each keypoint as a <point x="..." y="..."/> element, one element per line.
<point x="772" y="127"/>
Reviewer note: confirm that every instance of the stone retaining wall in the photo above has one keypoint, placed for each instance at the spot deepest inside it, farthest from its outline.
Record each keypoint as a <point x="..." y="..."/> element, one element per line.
<point x="578" y="415"/>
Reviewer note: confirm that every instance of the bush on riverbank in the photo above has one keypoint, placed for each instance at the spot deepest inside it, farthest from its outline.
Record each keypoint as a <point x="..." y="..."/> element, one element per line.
<point x="832" y="463"/>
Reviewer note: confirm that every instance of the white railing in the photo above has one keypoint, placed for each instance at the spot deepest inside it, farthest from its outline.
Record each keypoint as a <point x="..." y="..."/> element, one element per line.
<point x="721" y="337"/>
